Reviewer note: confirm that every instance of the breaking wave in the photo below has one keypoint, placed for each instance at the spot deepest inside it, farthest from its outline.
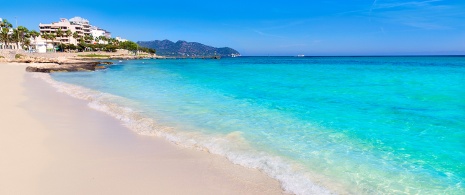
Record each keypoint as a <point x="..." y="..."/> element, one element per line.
<point x="232" y="146"/>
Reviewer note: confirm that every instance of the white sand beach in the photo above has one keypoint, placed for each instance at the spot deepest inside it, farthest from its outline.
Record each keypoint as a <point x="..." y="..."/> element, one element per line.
<point x="51" y="143"/>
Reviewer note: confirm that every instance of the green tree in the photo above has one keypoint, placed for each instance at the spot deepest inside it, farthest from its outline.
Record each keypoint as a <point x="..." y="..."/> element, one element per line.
<point x="113" y="41"/>
<point x="110" y="48"/>
<point x="52" y="37"/>
<point x="48" y="36"/>
<point x="34" y="34"/>
<point x="20" y="35"/>
<point x="5" y="35"/>
<point x="14" y="37"/>
<point x="82" y="46"/>
<point x="44" y="36"/>
<point x="26" y="43"/>
<point x="68" y="34"/>
<point x="59" y="34"/>
<point x="129" y="45"/>
<point x="72" y="47"/>
<point x="97" y="40"/>
<point x="152" y="51"/>
<point x="103" y="38"/>
<point x="76" y="35"/>
<point x="88" y="37"/>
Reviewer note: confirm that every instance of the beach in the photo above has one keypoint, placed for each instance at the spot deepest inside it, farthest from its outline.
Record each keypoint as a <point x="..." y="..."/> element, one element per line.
<point x="51" y="143"/>
<point x="342" y="125"/>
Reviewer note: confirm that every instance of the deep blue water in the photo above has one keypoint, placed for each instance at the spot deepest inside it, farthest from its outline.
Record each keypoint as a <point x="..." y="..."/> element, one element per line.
<point x="360" y="125"/>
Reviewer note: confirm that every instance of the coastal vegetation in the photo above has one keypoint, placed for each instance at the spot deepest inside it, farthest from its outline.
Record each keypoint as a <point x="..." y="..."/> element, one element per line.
<point x="21" y="36"/>
<point x="17" y="56"/>
<point x="95" y="56"/>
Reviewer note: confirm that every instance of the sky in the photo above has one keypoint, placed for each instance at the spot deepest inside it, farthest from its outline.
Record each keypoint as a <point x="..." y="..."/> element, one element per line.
<point x="273" y="27"/>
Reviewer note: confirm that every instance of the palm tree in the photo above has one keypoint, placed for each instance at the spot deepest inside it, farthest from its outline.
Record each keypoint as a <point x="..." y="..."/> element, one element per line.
<point x="113" y="41"/>
<point x="34" y="34"/>
<point x="48" y="36"/>
<point x="68" y="33"/>
<point x="44" y="36"/>
<point x="5" y="36"/>
<point x="59" y="33"/>
<point x="26" y="43"/>
<point x="88" y="37"/>
<point x="20" y="35"/>
<point x="52" y="37"/>
<point x="76" y="36"/>
<point x="104" y="39"/>
<point x="5" y="31"/>
<point x="14" y="37"/>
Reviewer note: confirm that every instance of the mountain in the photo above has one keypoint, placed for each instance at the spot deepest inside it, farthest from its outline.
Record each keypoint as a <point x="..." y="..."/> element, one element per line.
<point x="183" y="48"/>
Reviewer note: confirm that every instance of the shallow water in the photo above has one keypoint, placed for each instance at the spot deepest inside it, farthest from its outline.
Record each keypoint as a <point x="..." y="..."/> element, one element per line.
<point x="359" y="125"/>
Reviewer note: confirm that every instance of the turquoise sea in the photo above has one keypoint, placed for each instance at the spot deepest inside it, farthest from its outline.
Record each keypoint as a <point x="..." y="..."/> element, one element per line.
<point x="344" y="125"/>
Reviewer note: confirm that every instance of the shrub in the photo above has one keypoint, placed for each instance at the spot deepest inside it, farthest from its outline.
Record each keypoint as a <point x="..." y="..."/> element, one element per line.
<point x="95" y="56"/>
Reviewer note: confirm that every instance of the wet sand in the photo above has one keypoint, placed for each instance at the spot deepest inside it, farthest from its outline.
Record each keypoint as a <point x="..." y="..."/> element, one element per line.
<point x="51" y="143"/>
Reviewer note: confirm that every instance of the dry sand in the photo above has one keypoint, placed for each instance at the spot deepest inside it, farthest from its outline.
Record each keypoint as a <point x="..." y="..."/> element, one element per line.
<point x="51" y="144"/>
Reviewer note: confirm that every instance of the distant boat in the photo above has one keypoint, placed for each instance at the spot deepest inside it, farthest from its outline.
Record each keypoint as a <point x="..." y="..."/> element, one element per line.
<point x="235" y="55"/>
<point x="301" y="55"/>
<point x="120" y="61"/>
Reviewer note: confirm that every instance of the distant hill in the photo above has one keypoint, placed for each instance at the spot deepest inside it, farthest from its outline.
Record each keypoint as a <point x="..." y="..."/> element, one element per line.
<point x="183" y="48"/>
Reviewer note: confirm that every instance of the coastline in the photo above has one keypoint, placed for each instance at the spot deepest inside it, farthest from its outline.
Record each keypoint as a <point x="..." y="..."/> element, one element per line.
<point x="56" y="144"/>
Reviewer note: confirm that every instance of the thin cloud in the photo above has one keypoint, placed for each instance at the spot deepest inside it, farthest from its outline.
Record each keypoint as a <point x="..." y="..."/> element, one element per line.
<point x="286" y="25"/>
<point x="427" y="26"/>
<point x="404" y="4"/>
<point x="372" y="6"/>
<point x="266" y="34"/>
<point x="382" y="30"/>
<point x="293" y="45"/>
<point x="426" y="14"/>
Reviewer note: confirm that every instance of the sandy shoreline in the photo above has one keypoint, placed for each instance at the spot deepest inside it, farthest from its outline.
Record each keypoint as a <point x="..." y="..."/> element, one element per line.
<point x="51" y="143"/>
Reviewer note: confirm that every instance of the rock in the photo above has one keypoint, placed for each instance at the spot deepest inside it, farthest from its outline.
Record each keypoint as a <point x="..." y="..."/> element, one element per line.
<point x="89" y="66"/>
<point x="107" y="63"/>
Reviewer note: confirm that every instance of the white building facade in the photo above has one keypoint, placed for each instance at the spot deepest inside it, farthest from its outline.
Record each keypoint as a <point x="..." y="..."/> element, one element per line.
<point x="77" y="24"/>
<point x="120" y="39"/>
<point x="98" y="33"/>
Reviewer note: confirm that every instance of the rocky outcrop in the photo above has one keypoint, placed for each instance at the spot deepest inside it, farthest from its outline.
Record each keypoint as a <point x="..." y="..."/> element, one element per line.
<point x="59" y="64"/>
<point x="90" y="66"/>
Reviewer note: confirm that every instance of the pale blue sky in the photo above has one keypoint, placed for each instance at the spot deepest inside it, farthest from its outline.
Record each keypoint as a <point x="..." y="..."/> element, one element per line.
<point x="324" y="27"/>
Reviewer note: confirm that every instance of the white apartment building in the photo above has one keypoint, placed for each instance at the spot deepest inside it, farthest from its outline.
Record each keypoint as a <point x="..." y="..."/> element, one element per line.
<point x="120" y="39"/>
<point x="76" y="24"/>
<point x="98" y="32"/>
<point x="64" y="24"/>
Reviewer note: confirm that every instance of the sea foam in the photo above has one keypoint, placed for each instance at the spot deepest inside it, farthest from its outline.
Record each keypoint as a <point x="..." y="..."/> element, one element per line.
<point x="231" y="146"/>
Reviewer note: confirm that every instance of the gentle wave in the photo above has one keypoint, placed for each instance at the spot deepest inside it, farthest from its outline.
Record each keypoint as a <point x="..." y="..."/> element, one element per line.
<point x="233" y="146"/>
